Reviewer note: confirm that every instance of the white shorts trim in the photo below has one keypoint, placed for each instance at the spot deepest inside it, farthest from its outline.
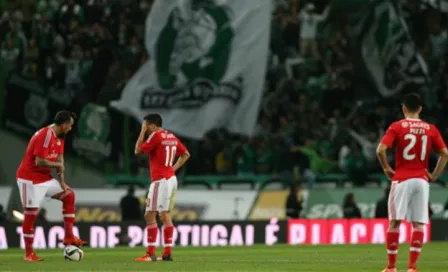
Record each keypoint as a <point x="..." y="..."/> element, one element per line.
<point x="32" y="195"/>
<point x="162" y="195"/>
<point x="409" y="200"/>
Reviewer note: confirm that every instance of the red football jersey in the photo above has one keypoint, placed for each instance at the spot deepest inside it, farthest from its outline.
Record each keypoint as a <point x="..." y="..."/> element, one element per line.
<point x="413" y="140"/>
<point x="43" y="144"/>
<point x="162" y="147"/>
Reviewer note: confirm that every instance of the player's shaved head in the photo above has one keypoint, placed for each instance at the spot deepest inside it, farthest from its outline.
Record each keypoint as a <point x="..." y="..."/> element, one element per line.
<point x="64" y="116"/>
<point x="64" y="121"/>
<point x="153" y="119"/>
<point x="412" y="102"/>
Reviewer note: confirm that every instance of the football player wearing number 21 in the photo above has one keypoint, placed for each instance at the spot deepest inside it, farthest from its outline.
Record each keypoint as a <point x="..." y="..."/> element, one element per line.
<point x="409" y="195"/>
<point x="162" y="147"/>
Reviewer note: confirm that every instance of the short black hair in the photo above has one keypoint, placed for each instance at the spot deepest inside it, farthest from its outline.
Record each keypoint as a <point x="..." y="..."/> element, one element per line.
<point x="153" y="118"/>
<point x="64" y="116"/>
<point x="412" y="102"/>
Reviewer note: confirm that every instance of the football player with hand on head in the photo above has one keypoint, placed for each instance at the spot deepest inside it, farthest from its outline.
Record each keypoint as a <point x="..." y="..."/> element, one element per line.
<point x="162" y="147"/>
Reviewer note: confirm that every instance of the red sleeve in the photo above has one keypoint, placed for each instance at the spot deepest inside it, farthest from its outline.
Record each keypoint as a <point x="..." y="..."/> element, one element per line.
<point x="41" y="144"/>
<point x="438" y="142"/>
<point x="150" y="143"/>
<point x="390" y="136"/>
<point x="181" y="149"/>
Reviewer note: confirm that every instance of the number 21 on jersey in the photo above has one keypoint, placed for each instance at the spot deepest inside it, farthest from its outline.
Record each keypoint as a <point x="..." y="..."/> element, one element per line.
<point x="170" y="153"/>
<point x="407" y="155"/>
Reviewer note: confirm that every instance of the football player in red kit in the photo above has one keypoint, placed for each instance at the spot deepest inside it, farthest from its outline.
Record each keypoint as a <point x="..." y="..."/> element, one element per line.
<point x="44" y="153"/>
<point x="409" y="195"/>
<point x="163" y="147"/>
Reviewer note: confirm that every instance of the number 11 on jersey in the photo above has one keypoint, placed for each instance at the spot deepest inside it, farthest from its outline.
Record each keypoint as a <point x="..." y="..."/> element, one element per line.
<point x="170" y="153"/>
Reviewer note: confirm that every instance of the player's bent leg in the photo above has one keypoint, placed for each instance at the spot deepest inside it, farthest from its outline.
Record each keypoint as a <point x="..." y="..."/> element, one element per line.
<point x="152" y="232"/>
<point x="68" y="212"/>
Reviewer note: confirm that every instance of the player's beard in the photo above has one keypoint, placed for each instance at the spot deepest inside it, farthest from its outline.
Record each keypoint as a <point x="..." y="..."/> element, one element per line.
<point x="61" y="135"/>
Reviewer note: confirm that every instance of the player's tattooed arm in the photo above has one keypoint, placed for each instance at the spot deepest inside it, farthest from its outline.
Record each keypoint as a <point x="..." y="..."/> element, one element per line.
<point x="181" y="161"/>
<point x="41" y="162"/>
<point x="61" y="174"/>
<point x="382" y="158"/>
<point x="60" y="159"/>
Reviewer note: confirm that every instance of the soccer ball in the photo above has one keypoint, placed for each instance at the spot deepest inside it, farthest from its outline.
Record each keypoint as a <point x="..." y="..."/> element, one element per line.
<point x="73" y="253"/>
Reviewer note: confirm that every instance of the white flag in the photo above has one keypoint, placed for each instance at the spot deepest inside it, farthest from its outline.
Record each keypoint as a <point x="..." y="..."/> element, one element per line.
<point x="207" y="66"/>
<point x="388" y="53"/>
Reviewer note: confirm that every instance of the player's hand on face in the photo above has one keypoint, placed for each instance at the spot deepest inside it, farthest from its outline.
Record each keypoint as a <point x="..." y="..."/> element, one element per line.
<point x="389" y="172"/>
<point x="144" y="127"/>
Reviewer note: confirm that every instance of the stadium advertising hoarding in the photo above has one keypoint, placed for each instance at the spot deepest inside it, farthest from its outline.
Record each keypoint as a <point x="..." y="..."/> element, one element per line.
<point x="191" y="205"/>
<point x="327" y="203"/>
<point x="345" y="231"/>
<point x="230" y="233"/>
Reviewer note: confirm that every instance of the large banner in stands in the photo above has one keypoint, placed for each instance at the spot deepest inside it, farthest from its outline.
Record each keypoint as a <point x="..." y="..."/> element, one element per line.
<point x="29" y="105"/>
<point x="327" y="203"/>
<point x="191" y="205"/>
<point x="232" y="233"/>
<point x="344" y="231"/>
<point x="207" y="66"/>
<point x="93" y="134"/>
<point x="388" y="54"/>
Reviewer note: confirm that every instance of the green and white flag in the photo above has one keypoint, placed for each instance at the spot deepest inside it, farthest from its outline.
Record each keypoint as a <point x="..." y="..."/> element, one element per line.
<point x="387" y="51"/>
<point x="207" y="66"/>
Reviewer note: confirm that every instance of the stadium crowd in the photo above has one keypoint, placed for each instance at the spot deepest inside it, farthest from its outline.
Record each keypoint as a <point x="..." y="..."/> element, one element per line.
<point x="314" y="115"/>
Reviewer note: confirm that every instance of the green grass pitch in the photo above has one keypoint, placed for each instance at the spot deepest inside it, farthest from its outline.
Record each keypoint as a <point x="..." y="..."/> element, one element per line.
<point x="257" y="258"/>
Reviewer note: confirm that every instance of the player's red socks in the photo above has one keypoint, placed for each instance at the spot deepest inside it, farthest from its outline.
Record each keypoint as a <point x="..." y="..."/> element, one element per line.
<point x="167" y="239"/>
<point x="68" y="211"/>
<point x="392" y="241"/>
<point x="152" y="238"/>
<point x="28" y="228"/>
<point x="416" y="247"/>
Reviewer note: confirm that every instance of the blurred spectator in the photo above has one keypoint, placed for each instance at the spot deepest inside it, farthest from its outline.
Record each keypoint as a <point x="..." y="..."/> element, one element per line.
<point x="3" y="216"/>
<point x="223" y="161"/>
<point x="382" y="207"/>
<point x="293" y="204"/>
<point x="130" y="206"/>
<point x="244" y="159"/>
<point x="31" y="58"/>
<point x="438" y="36"/>
<point x="356" y="165"/>
<point x="350" y="208"/>
<point x="309" y="22"/>
<point x="264" y="158"/>
<point x="48" y="8"/>
<point x="73" y="78"/>
<point x="10" y="54"/>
